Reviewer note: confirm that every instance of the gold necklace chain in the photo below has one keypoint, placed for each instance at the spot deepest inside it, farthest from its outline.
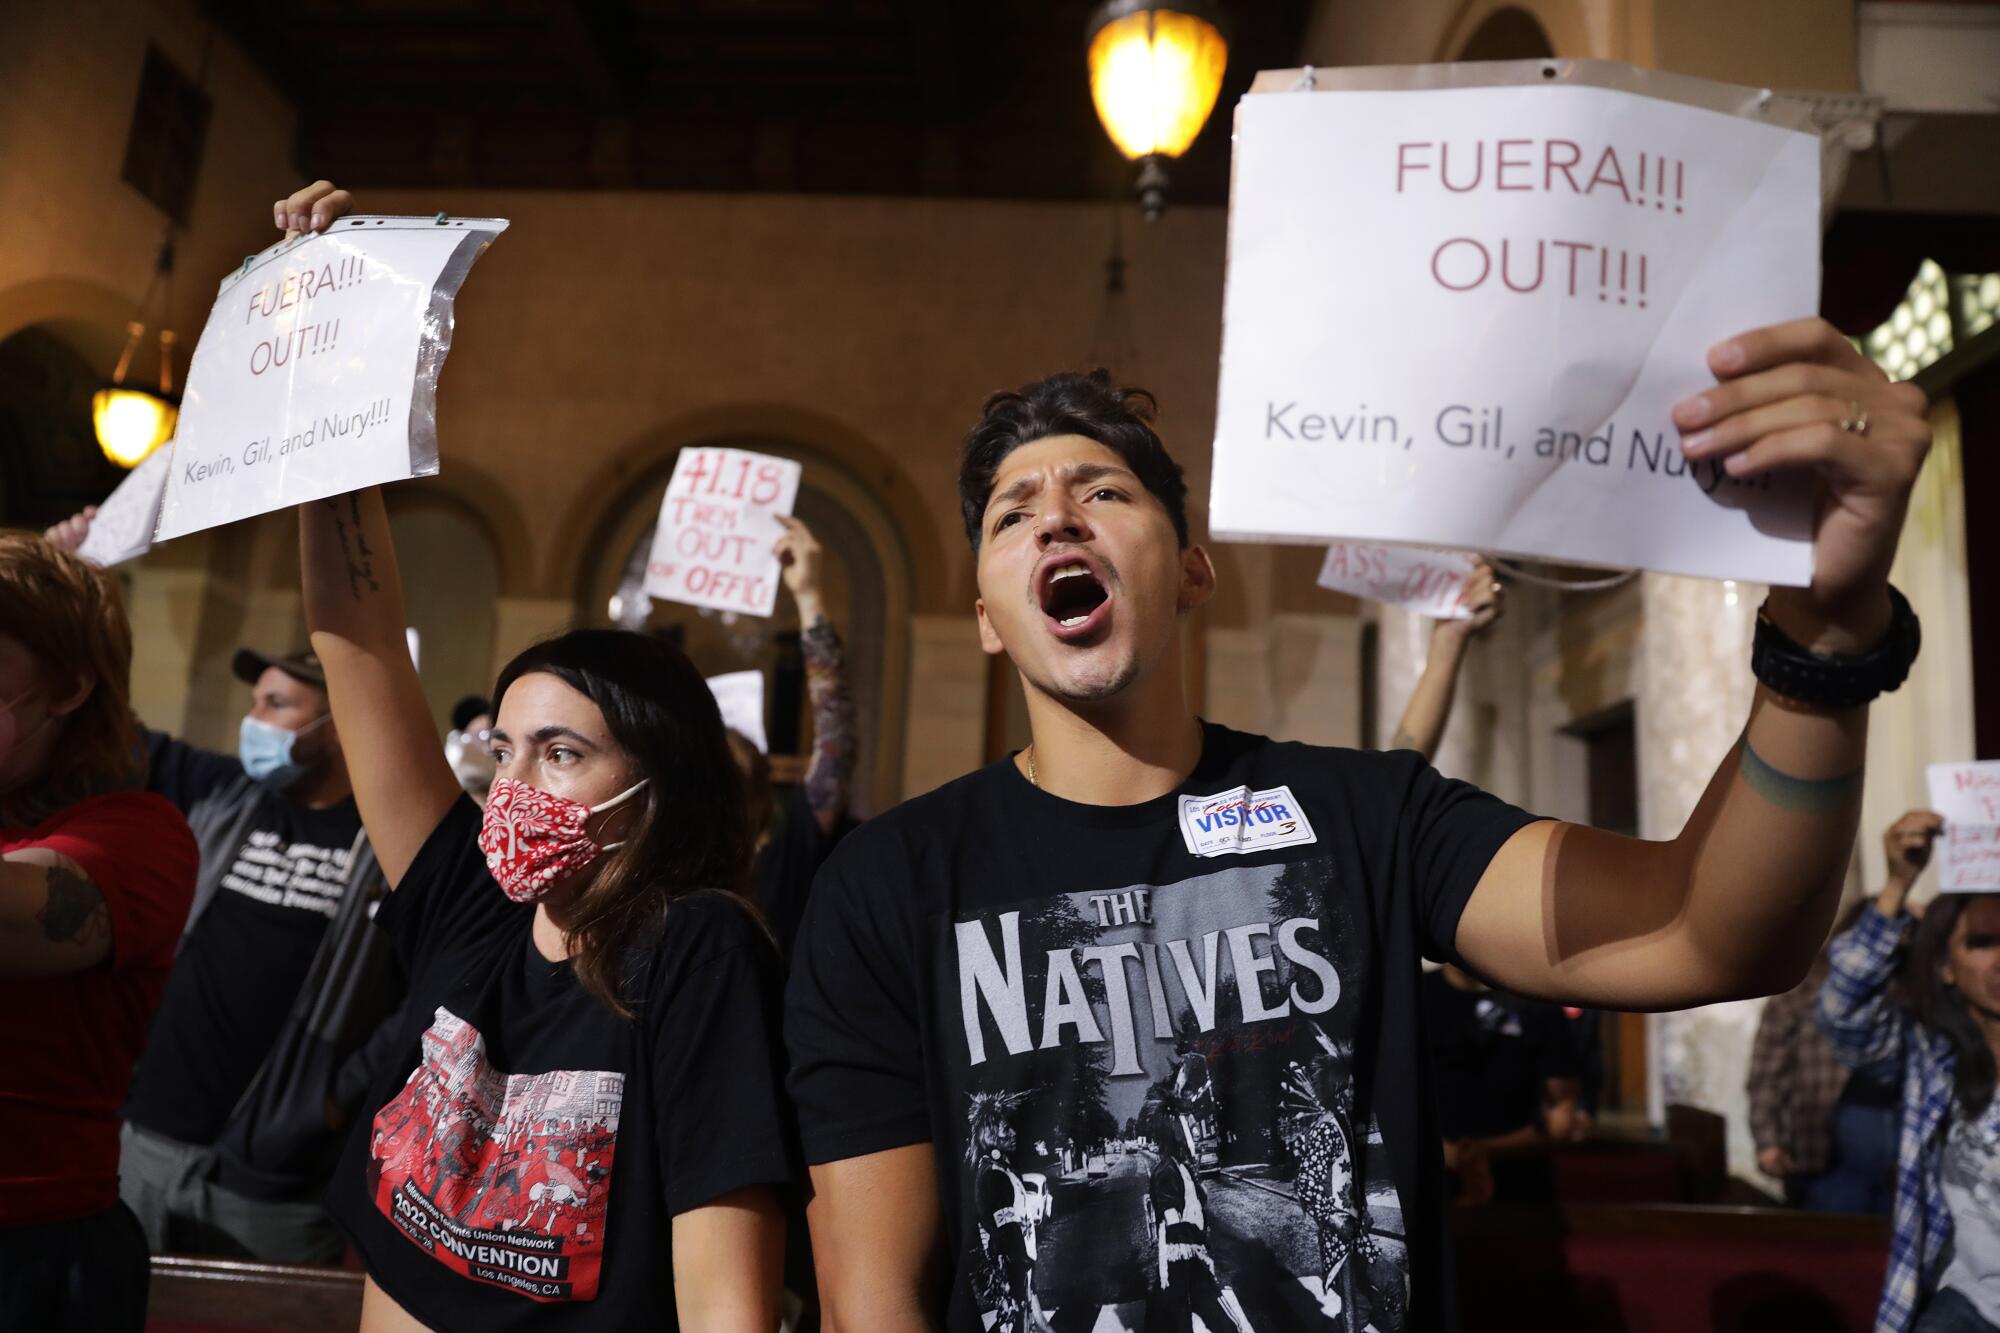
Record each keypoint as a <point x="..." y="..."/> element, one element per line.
<point x="1033" y="781"/>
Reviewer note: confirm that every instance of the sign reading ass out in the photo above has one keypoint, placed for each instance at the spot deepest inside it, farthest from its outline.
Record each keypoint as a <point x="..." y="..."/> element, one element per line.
<point x="1459" y="316"/>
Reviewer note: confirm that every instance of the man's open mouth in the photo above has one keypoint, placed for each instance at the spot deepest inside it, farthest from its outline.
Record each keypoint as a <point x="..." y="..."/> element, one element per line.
<point x="1073" y="595"/>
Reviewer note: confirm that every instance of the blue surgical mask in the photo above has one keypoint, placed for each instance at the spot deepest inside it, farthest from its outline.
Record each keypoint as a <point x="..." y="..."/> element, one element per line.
<point x="266" y="752"/>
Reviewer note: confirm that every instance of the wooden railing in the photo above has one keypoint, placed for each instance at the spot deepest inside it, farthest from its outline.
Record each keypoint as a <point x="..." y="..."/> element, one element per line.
<point x="1581" y="1268"/>
<point x="189" y="1294"/>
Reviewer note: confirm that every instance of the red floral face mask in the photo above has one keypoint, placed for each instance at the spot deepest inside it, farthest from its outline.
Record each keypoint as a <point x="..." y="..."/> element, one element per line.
<point x="533" y="838"/>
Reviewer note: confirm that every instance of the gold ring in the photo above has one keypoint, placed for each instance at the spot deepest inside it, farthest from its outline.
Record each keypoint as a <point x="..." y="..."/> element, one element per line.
<point x="1856" y="420"/>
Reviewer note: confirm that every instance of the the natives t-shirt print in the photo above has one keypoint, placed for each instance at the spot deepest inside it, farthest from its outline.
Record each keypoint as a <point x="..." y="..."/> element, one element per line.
<point x="1159" y="1111"/>
<point x="502" y="1178"/>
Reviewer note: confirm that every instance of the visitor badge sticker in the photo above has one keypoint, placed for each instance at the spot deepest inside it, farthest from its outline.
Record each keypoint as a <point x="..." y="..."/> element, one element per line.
<point x="1241" y="820"/>
<point x="316" y="373"/>
<point x="123" y="528"/>
<point x="1968" y="852"/>
<point x="1460" y="317"/>
<point x="1431" y="583"/>
<point x="718" y="523"/>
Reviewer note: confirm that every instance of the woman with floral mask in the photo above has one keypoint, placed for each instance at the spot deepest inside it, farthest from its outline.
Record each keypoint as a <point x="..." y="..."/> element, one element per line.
<point x="582" y="1124"/>
<point x="95" y="880"/>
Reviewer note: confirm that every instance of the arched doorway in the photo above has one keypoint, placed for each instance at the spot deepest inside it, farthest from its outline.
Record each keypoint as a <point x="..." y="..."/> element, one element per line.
<point x="867" y="580"/>
<point x="1508" y="34"/>
<point x="451" y="585"/>
<point x="50" y="465"/>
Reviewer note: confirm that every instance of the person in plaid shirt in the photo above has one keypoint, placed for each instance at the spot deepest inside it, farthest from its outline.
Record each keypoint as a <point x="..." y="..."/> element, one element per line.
<point x="1944" y="1259"/>
<point x="1826" y="1132"/>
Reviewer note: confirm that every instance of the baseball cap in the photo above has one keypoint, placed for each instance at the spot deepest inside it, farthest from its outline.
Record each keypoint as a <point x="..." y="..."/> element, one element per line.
<point x="302" y="665"/>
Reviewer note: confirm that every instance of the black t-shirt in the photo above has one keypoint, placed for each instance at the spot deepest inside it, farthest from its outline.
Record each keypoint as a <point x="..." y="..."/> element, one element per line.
<point x="524" y="1155"/>
<point x="1057" y="997"/>
<point x="272" y="874"/>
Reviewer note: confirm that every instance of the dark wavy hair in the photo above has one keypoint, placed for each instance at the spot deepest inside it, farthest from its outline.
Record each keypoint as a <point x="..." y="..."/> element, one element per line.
<point x="70" y="616"/>
<point x="690" y="835"/>
<point x="1120" y="419"/>
<point x="1940" y="1005"/>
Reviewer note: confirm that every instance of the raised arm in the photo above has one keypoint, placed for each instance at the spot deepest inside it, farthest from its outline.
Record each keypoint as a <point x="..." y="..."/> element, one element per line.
<point x="1864" y="1026"/>
<point x="1737" y="904"/>
<point x="354" y="610"/>
<point x="829" y="781"/>
<point x="1429" y="707"/>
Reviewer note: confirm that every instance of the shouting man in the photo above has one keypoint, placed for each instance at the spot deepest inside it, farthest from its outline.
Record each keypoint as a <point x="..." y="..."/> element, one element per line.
<point x="1052" y="927"/>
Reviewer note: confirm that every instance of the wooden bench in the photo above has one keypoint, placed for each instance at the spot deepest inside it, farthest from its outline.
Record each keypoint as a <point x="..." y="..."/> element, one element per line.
<point x="1666" y="1268"/>
<point x="1581" y="1268"/>
<point x="191" y="1295"/>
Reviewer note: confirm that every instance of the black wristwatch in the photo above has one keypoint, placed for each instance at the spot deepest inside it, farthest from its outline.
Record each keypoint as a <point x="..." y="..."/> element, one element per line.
<point x="1822" y="680"/>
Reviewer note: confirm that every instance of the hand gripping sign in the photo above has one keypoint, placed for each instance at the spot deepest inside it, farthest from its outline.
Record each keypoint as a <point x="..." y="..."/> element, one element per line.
<point x="1968" y="852"/>
<point x="717" y="527"/>
<point x="317" y="372"/>
<point x="123" y="528"/>
<point x="1459" y="315"/>
<point x="1431" y="583"/>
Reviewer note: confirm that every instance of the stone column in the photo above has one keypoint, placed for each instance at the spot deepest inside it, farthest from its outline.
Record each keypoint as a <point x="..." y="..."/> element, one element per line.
<point x="1693" y="697"/>
<point x="1929" y="720"/>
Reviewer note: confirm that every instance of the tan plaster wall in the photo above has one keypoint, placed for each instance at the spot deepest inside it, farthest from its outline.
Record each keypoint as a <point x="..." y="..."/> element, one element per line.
<point x="79" y="243"/>
<point x="605" y="330"/>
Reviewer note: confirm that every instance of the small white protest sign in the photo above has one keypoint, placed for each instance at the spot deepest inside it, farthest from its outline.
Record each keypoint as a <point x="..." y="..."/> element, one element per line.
<point x="718" y="523"/>
<point x="1429" y="582"/>
<point x="1968" y="852"/>
<point x="740" y="696"/>
<point x="1459" y="316"/>
<point x="317" y="371"/>
<point x="123" y="528"/>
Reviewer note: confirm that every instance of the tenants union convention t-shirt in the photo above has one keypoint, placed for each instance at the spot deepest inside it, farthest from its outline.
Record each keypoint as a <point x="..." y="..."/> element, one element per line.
<point x="525" y="1150"/>
<point x="1168" y="1055"/>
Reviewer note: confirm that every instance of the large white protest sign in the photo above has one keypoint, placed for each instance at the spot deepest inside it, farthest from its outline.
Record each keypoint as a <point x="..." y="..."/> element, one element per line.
<point x="718" y="523"/>
<point x="1968" y="852"/>
<point x="1459" y="317"/>
<point x="317" y="371"/>
<point x="740" y="696"/>
<point x="123" y="528"/>
<point x="1431" y="583"/>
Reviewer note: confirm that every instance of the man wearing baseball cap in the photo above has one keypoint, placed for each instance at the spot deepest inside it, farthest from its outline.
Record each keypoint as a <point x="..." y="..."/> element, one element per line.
<point x="277" y="827"/>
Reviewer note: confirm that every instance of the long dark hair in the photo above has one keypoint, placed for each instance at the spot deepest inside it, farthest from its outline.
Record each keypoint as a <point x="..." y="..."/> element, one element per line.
<point x="690" y="834"/>
<point x="1941" y="1006"/>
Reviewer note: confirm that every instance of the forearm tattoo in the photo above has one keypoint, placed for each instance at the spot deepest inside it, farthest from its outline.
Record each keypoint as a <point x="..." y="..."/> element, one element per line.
<point x="1807" y="796"/>
<point x="75" y="912"/>
<point x="354" y="547"/>
<point x="829" y="778"/>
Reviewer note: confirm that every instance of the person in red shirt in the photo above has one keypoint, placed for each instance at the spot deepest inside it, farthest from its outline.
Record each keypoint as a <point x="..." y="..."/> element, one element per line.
<point x="95" y="880"/>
